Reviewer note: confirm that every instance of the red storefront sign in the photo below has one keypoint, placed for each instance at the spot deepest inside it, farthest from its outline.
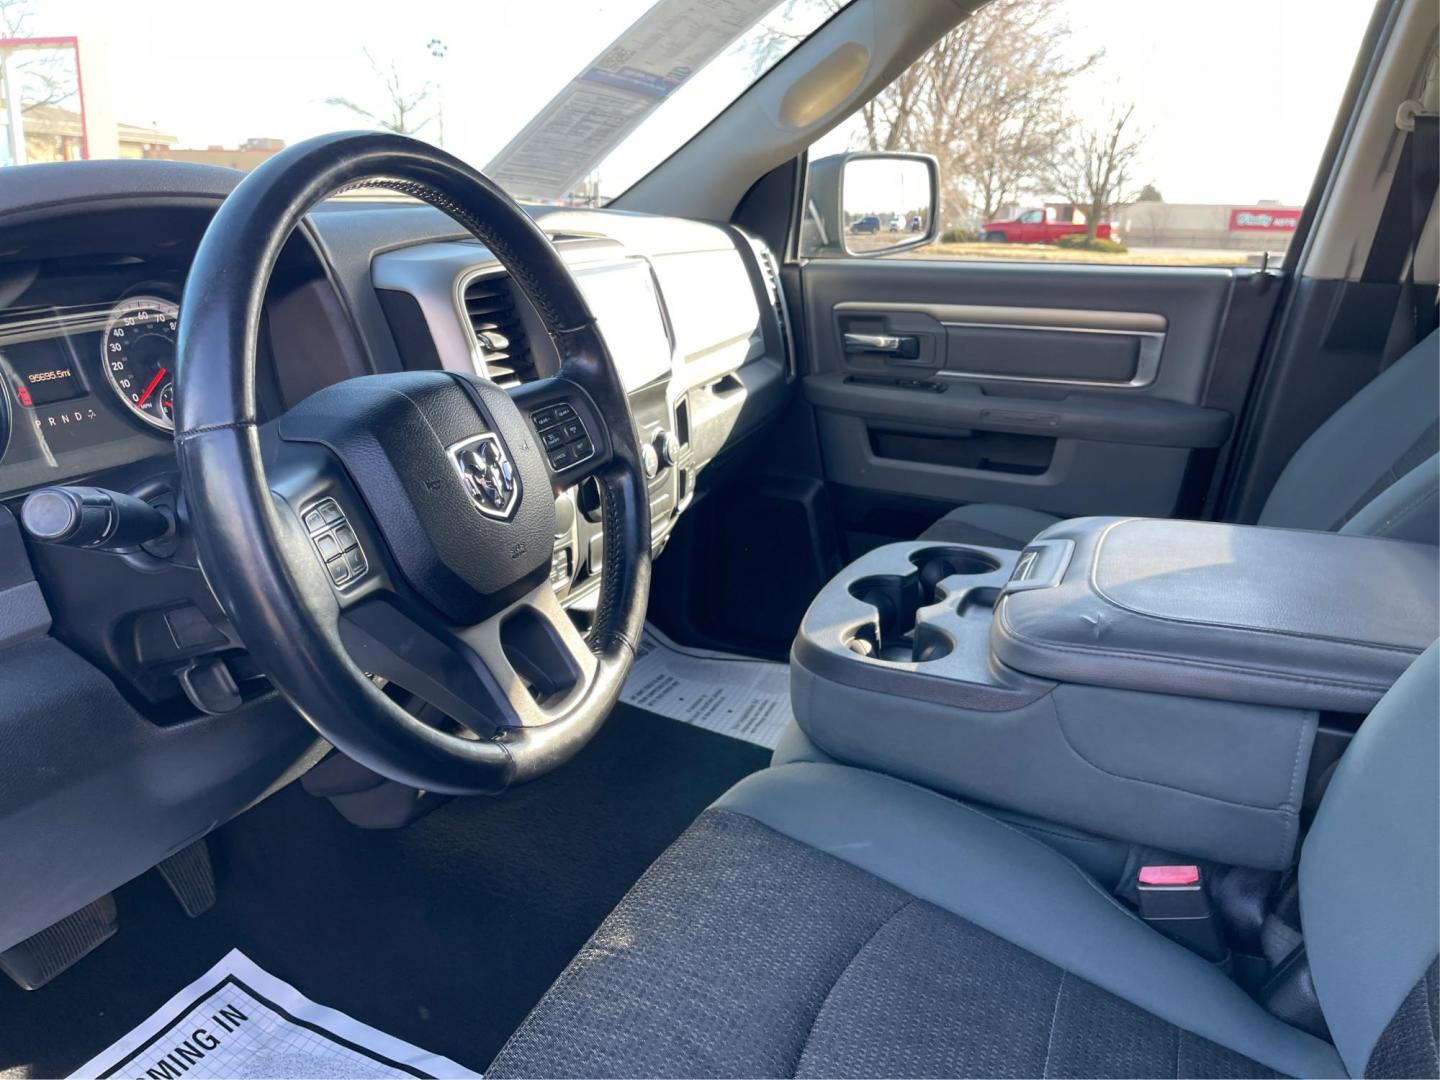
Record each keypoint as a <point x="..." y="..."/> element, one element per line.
<point x="1266" y="218"/>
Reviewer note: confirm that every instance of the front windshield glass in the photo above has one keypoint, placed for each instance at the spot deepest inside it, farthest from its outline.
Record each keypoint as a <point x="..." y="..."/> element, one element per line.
<point x="561" y="101"/>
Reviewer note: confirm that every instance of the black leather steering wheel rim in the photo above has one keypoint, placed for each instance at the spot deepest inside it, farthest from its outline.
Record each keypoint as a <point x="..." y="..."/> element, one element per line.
<point x="261" y="570"/>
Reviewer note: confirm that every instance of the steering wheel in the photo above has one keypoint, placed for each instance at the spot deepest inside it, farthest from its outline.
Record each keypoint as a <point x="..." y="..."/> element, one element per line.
<point x="399" y="528"/>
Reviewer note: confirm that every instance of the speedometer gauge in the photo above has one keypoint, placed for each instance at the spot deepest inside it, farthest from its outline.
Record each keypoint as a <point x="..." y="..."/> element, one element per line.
<point x="139" y="357"/>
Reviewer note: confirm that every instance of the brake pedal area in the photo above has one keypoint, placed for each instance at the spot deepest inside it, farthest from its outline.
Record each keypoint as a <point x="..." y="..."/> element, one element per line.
<point x="191" y="878"/>
<point x="38" y="959"/>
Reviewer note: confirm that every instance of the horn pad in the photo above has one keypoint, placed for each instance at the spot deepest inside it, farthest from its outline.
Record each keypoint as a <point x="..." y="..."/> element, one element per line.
<point x="452" y="475"/>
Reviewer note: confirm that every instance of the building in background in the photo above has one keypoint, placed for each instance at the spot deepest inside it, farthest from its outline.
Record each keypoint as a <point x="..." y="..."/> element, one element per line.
<point x="1260" y="226"/>
<point x="56" y="134"/>
<point x="244" y="157"/>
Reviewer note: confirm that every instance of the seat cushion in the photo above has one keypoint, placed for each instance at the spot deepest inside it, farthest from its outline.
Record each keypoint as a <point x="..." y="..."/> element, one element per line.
<point x="990" y="525"/>
<point x="825" y="921"/>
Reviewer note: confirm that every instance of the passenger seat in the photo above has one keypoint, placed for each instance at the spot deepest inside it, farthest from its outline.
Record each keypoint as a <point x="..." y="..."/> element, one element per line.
<point x="1372" y="469"/>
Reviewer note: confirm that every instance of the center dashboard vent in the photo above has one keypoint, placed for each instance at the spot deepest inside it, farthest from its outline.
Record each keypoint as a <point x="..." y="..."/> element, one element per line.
<point x="498" y="322"/>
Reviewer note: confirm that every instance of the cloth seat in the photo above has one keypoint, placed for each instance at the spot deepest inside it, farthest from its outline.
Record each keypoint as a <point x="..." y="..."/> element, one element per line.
<point x="1372" y="469"/>
<point x="821" y="920"/>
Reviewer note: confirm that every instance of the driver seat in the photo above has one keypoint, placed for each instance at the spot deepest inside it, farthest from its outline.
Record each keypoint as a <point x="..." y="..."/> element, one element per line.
<point x="821" y="920"/>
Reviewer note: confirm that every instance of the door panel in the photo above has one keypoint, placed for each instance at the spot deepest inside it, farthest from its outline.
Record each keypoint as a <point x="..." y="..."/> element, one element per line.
<point x="1071" y="389"/>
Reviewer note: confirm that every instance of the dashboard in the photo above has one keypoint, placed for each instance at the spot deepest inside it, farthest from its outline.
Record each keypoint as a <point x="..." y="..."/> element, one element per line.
<point x="87" y="350"/>
<point x="101" y="655"/>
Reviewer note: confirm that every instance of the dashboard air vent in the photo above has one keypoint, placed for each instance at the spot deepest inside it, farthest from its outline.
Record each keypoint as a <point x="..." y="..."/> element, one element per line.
<point x="499" y="327"/>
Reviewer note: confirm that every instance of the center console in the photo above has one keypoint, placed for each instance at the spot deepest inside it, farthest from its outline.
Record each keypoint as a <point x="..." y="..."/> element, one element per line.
<point x="1157" y="682"/>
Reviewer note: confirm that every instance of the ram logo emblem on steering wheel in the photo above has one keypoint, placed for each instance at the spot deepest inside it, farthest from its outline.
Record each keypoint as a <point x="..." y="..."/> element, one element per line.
<point x="488" y="475"/>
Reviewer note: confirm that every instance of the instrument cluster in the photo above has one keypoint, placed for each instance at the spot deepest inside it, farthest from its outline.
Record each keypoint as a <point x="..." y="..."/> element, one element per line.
<point x="79" y="379"/>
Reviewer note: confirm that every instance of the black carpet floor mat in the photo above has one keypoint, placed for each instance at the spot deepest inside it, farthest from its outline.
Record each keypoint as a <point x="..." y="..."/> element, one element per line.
<point x="444" y="933"/>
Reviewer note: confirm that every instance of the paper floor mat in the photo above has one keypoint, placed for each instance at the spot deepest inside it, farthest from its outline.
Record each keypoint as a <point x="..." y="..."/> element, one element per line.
<point x="241" y="1022"/>
<point x="732" y="695"/>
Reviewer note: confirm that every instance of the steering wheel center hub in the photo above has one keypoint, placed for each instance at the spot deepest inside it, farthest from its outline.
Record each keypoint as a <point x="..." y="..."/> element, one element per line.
<point x="452" y="476"/>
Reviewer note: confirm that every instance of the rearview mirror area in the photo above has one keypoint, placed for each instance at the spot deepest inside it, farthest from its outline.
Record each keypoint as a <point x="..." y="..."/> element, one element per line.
<point x="869" y="203"/>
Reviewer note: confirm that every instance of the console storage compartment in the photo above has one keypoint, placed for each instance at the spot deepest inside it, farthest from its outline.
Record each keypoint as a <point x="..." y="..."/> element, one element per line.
<point x="1234" y="612"/>
<point x="1153" y="682"/>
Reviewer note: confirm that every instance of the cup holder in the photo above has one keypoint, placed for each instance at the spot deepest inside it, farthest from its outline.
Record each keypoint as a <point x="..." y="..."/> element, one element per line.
<point x="935" y="564"/>
<point x="897" y="598"/>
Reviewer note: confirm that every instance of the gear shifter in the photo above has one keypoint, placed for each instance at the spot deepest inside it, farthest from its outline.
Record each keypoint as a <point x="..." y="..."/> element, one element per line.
<point x="91" y="517"/>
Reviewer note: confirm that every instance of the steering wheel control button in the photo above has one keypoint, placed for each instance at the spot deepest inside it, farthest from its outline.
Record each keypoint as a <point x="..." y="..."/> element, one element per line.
<point x="335" y="542"/>
<point x="567" y="443"/>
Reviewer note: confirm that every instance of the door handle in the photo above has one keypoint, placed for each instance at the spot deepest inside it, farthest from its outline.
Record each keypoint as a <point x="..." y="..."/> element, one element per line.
<point x="896" y="348"/>
<point x="886" y="343"/>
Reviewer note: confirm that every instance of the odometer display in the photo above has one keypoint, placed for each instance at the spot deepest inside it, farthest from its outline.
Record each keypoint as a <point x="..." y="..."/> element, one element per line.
<point x="139" y="356"/>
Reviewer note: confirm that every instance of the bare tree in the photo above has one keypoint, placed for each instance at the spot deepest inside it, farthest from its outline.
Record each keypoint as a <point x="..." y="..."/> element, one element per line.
<point x="986" y="100"/>
<point x="1094" y="169"/>
<point x="402" y="104"/>
<point x="45" y="78"/>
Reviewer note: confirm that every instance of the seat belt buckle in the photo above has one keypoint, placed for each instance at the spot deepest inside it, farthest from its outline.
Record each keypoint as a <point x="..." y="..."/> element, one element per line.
<point x="1173" y="900"/>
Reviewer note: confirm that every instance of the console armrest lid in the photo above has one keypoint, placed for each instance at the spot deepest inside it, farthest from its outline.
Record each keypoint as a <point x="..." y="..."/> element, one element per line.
<point x="1240" y="613"/>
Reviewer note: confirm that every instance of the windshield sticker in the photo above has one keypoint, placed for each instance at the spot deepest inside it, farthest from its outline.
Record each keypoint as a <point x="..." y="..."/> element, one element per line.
<point x="638" y="71"/>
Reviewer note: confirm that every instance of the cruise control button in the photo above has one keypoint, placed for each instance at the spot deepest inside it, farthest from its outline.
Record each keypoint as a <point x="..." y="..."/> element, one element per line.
<point x="338" y="570"/>
<point x="583" y="449"/>
<point x="573" y="430"/>
<point x="328" y="547"/>
<point x="551" y="438"/>
<point x="559" y="459"/>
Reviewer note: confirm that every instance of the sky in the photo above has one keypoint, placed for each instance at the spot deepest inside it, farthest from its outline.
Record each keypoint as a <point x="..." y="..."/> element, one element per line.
<point x="1235" y="97"/>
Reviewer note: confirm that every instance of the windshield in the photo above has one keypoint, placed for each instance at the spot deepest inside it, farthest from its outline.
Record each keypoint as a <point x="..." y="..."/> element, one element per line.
<point x="559" y="100"/>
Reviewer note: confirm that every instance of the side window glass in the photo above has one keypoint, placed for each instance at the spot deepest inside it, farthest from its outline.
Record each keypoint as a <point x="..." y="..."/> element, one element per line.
<point x="1118" y="131"/>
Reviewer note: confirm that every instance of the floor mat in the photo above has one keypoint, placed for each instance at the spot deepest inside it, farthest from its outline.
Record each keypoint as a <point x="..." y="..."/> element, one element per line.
<point x="239" y="1021"/>
<point x="443" y="934"/>
<point x="721" y="692"/>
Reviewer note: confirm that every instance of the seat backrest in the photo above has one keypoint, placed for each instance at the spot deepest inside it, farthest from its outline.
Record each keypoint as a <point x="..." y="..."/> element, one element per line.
<point x="1372" y="467"/>
<point x="1370" y="885"/>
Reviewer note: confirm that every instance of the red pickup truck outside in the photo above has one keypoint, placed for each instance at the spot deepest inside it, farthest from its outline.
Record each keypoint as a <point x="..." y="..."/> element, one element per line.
<point x="1037" y="227"/>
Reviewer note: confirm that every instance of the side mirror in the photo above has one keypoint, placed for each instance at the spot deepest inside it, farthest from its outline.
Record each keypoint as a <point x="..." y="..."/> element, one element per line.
<point x="870" y="203"/>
